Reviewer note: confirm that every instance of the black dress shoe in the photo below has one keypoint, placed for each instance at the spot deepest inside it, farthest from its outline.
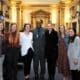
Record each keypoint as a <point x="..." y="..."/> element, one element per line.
<point x="42" y="77"/>
<point x="36" y="77"/>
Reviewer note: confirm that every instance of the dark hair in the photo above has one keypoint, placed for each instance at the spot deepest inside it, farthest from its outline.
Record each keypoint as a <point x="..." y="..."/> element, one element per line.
<point x="71" y="39"/>
<point x="26" y="25"/>
<point x="3" y="27"/>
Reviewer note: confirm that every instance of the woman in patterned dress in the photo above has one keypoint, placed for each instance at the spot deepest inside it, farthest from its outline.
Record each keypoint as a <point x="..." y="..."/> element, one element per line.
<point x="63" y="66"/>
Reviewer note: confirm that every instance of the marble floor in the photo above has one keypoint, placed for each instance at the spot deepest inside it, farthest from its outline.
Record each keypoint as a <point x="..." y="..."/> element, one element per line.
<point x="20" y="75"/>
<point x="57" y="75"/>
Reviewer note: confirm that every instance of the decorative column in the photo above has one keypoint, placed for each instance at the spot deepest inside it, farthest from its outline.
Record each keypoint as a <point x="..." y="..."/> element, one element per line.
<point x="61" y="12"/>
<point x="19" y="15"/>
<point x="21" y="18"/>
<point x="78" y="15"/>
<point x="58" y="16"/>
<point x="54" y="15"/>
<point x="67" y="17"/>
<point x="13" y="11"/>
<point x="0" y="5"/>
<point x="1" y="10"/>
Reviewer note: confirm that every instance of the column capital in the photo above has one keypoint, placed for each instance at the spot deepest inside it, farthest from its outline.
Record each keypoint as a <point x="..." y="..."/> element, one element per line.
<point x="18" y="3"/>
<point x="12" y="3"/>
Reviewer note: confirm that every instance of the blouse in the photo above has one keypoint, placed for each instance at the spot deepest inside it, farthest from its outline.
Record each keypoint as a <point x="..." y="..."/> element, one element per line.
<point x="26" y="41"/>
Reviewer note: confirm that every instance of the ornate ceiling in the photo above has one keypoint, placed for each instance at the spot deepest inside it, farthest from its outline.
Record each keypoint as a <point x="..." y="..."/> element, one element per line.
<point x="42" y="2"/>
<point x="39" y="1"/>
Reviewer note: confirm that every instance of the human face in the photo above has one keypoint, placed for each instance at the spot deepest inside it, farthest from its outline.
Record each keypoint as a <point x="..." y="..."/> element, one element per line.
<point x="14" y="28"/>
<point x="62" y="29"/>
<point x="27" y="28"/>
<point x="71" y="33"/>
<point x="49" y="27"/>
<point x="38" y="24"/>
<point x="1" y="26"/>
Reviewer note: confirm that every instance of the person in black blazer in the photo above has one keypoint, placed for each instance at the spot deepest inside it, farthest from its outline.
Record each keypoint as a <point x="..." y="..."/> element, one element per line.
<point x="51" y="49"/>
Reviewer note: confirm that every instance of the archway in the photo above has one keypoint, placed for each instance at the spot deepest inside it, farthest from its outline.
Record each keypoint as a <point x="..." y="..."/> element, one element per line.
<point x="40" y="15"/>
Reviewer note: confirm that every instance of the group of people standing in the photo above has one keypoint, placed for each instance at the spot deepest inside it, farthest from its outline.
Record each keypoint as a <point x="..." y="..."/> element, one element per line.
<point x="61" y="49"/>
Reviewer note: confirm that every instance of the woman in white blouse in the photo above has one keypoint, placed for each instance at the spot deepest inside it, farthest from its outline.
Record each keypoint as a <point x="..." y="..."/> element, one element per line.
<point x="74" y="55"/>
<point x="26" y="39"/>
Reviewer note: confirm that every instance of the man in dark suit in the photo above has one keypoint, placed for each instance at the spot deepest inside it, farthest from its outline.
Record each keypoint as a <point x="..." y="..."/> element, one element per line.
<point x="51" y="49"/>
<point x="39" y="48"/>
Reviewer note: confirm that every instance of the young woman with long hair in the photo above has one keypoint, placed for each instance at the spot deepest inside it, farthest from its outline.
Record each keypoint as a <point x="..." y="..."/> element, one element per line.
<point x="63" y="64"/>
<point x="12" y="53"/>
<point x="26" y="40"/>
<point x="74" y="54"/>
